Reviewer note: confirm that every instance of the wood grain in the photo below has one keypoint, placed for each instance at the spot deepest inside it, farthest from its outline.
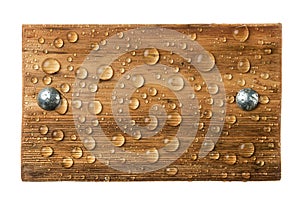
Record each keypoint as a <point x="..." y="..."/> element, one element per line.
<point x="46" y="157"/>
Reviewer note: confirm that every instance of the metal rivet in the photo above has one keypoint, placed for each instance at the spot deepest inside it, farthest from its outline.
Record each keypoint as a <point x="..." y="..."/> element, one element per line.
<point x="48" y="98"/>
<point x="247" y="99"/>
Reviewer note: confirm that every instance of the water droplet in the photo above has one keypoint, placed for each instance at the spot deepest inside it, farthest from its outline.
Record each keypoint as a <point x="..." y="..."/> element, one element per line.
<point x="174" y="119"/>
<point x="144" y="95"/>
<point x="58" y="43"/>
<point x="264" y="76"/>
<point x="93" y="87"/>
<point x="105" y="72"/>
<point x="267" y="129"/>
<point x="35" y="66"/>
<point x="89" y="143"/>
<point x="118" y="140"/>
<point x="246" y="175"/>
<point x="152" y="155"/>
<point x="241" y="33"/>
<point x="172" y="171"/>
<point x="246" y="149"/>
<point x="224" y="175"/>
<point x="152" y="91"/>
<point x="81" y="73"/>
<point x="95" y="46"/>
<point x="255" y="117"/>
<point x="260" y="163"/>
<point x="268" y="51"/>
<point x="50" y="66"/>
<point x="70" y="68"/>
<point x="152" y="122"/>
<point x="34" y="80"/>
<point x="120" y="35"/>
<point x="230" y="159"/>
<point x="176" y="82"/>
<point x="193" y="36"/>
<point x="95" y="107"/>
<point x="138" y="80"/>
<point x="72" y="36"/>
<point x="90" y="159"/>
<point x="134" y="103"/>
<point x="73" y="137"/>
<point x="241" y="82"/>
<point x="41" y="40"/>
<point x="206" y="61"/>
<point x="243" y="65"/>
<point x="47" y="80"/>
<point x="81" y="119"/>
<point x="230" y="99"/>
<point x="231" y="119"/>
<point x="228" y="76"/>
<point x="214" y="155"/>
<point x="46" y="151"/>
<point x="76" y="152"/>
<point x="70" y="59"/>
<point x="77" y="104"/>
<point x="65" y="87"/>
<point x="58" y="135"/>
<point x="172" y="105"/>
<point x="208" y="145"/>
<point x="63" y="107"/>
<point x="137" y="134"/>
<point x="67" y="162"/>
<point x="197" y="87"/>
<point x="213" y="88"/>
<point x="43" y="129"/>
<point x="264" y="99"/>
<point x="194" y="157"/>
<point x="151" y="56"/>
<point x="171" y="143"/>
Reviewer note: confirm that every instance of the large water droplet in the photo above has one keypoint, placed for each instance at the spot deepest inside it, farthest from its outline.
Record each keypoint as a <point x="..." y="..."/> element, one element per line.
<point x="118" y="140"/>
<point x="241" y="33"/>
<point x="50" y="66"/>
<point x="76" y="152"/>
<point x="206" y="61"/>
<point x="72" y="36"/>
<point x="176" y="82"/>
<point x="105" y="72"/>
<point x="243" y="65"/>
<point x="67" y="162"/>
<point x="171" y="143"/>
<point x="151" y="56"/>
<point x="95" y="107"/>
<point x="246" y="149"/>
<point x="152" y="155"/>
<point x="134" y="103"/>
<point x="174" y="119"/>
<point x="46" y="151"/>
<point x="138" y="80"/>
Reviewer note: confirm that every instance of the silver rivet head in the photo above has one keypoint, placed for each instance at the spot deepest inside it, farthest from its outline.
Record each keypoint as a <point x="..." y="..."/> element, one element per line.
<point x="48" y="98"/>
<point x="247" y="99"/>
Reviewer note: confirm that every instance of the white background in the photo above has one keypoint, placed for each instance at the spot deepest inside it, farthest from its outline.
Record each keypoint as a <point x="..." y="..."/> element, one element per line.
<point x="14" y="14"/>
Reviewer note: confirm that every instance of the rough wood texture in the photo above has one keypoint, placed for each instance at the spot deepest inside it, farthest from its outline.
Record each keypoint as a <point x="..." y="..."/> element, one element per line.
<point x="55" y="146"/>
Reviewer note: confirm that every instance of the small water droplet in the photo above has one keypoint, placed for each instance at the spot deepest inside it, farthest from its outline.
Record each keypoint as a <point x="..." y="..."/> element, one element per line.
<point x="138" y="80"/>
<point x="264" y="76"/>
<point x="152" y="91"/>
<point x="46" y="151"/>
<point x="81" y="73"/>
<point x="35" y="66"/>
<point x="213" y="88"/>
<point x="72" y="36"/>
<point x="58" y="43"/>
<point x="197" y="87"/>
<point x="120" y="35"/>
<point x="194" y="157"/>
<point x="208" y="145"/>
<point x="41" y="40"/>
<point x="63" y="107"/>
<point x="43" y="129"/>
<point x="255" y="117"/>
<point x="76" y="152"/>
<point x="230" y="159"/>
<point x="260" y="163"/>
<point x="174" y="119"/>
<point x="118" y="140"/>
<point x="193" y="36"/>
<point x="70" y="59"/>
<point x="70" y="68"/>
<point x="77" y="104"/>
<point x="171" y="143"/>
<point x="65" y="87"/>
<point x="267" y="129"/>
<point x="176" y="82"/>
<point x="243" y="65"/>
<point x="206" y="61"/>
<point x="241" y="33"/>
<point x="67" y="162"/>
<point x="90" y="159"/>
<point x="214" y="155"/>
<point x="246" y="175"/>
<point x="47" y="80"/>
<point x="241" y="82"/>
<point x="58" y="135"/>
<point x="151" y="56"/>
<point x="230" y="99"/>
<point x="264" y="99"/>
<point x="95" y="107"/>
<point x="134" y="103"/>
<point x="93" y="87"/>
<point x="50" y="66"/>
<point x="172" y="171"/>
<point x="152" y="155"/>
<point x="228" y="76"/>
<point x="34" y="80"/>
<point x="231" y="119"/>
<point x="89" y="143"/>
<point x="105" y="72"/>
<point x="152" y="122"/>
<point x="73" y="137"/>
<point x="95" y="46"/>
<point x="268" y="51"/>
<point x="246" y="149"/>
<point x="144" y="95"/>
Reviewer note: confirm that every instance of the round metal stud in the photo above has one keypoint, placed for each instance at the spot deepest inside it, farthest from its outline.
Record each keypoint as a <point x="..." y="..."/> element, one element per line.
<point x="48" y="98"/>
<point x="247" y="99"/>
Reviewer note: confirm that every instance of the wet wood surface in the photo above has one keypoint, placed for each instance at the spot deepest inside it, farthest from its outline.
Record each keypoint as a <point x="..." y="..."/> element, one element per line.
<point x="58" y="145"/>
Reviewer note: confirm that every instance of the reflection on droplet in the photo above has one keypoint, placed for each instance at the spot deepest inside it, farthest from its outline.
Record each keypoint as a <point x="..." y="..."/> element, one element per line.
<point x="58" y="43"/>
<point x="172" y="171"/>
<point x="67" y="162"/>
<point x="118" y="140"/>
<point x="44" y="129"/>
<point x="95" y="107"/>
<point x="134" y="103"/>
<point x="105" y="72"/>
<point x="65" y="87"/>
<point x="231" y="119"/>
<point x="46" y="151"/>
<point x="171" y="143"/>
<point x="246" y="149"/>
<point x="152" y="91"/>
<point x="89" y="143"/>
<point x="152" y="155"/>
<point x="243" y="65"/>
<point x="230" y="159"/>
<point x="176" y="82"/>
<point x="58" y="135"/>
<point x="174" y="119"/>
<point x="72" y="36"/>
<point x="63" y="107"/>
<point x="50" y="66"/>
<point x="264" y="99"/>
<point x="241" y="33"/>
<point x="81" y="73"/>
<point x="76" y="152"/>
<point x="151" y="56"/>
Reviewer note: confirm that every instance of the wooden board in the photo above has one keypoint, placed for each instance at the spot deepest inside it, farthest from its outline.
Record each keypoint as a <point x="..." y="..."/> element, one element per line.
<point x="153" y="82"/>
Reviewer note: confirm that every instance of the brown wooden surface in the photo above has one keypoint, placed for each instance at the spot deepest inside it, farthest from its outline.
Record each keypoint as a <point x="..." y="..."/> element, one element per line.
<point x="261" y="127"/>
